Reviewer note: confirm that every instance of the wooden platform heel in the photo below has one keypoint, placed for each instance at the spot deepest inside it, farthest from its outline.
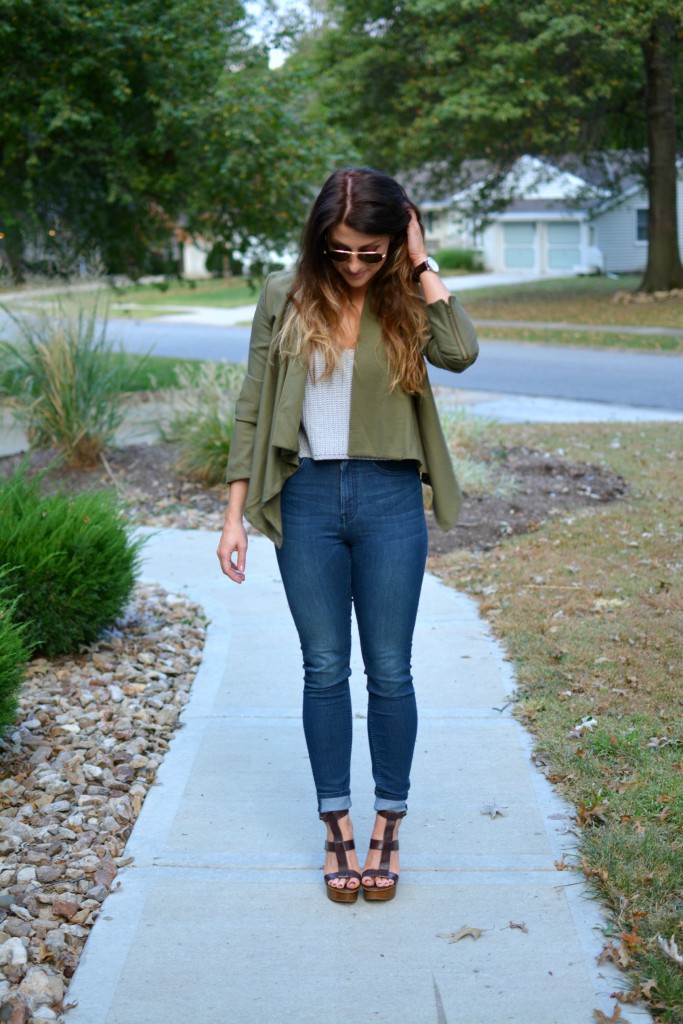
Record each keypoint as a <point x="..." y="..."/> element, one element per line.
<point x="339" y="848"/>
<point x="387" y="845"/>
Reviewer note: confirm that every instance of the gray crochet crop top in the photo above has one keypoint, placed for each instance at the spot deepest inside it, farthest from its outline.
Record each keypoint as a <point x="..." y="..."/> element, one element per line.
<point x="326" y="414"/>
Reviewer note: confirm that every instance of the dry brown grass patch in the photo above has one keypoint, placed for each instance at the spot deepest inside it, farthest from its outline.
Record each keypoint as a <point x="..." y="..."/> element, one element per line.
<point x="590" y="607"/>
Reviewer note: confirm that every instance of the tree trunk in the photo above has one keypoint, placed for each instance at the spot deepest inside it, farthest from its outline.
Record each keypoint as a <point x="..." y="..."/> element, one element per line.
<point x="14" y="250"/>
<point x="664" y="269"/>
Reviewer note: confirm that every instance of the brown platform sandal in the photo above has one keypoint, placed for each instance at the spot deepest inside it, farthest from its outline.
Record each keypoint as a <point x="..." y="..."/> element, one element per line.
<point x="387" y="845"/>
<point x="339" y="846"/>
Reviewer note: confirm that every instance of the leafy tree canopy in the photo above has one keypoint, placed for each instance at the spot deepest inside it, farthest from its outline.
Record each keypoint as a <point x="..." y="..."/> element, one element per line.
<point x="435" y="83"/>
<point x="119" y="120"/>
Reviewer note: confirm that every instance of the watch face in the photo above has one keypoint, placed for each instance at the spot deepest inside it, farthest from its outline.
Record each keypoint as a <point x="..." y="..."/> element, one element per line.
<point x="432" y="264"/>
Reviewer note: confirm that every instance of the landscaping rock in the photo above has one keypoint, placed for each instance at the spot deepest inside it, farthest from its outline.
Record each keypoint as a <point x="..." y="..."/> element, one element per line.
<point x="12" y="952"/>
<point x="42" y="986"/>
<point x="89" y="737"/>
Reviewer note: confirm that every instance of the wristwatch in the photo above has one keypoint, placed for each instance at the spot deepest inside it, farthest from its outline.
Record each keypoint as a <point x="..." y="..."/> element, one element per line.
<point x="428" y="264"/>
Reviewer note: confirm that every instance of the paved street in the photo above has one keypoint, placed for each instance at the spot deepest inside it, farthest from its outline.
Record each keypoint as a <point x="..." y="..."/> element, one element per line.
<point x="648" y="380"/>
<point x="636" y="380"/>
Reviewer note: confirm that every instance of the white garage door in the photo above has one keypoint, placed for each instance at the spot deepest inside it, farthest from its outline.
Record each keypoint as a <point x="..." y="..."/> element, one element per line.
<point x="563" y="246"/>
<point x="519" y="246"/>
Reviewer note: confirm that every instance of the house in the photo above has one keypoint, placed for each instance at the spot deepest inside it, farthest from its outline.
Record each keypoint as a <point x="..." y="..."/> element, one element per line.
<point x="549" y="221"/>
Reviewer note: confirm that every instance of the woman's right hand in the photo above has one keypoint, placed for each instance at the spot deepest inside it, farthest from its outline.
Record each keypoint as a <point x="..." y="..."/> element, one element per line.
<point x="233" y="542"/>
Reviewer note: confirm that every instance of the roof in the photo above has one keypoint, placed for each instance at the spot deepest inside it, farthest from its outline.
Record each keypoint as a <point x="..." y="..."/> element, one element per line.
<point x="568" y="185"/>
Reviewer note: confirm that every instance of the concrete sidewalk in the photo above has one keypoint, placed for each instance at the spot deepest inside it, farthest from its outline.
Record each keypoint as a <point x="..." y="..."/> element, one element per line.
<point x="222" y="917"/>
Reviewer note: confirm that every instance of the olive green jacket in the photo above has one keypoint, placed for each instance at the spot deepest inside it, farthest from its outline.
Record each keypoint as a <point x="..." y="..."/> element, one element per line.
<point x="384" y="424"/>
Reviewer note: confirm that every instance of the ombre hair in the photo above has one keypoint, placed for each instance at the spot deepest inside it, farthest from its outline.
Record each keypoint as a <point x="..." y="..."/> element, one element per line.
<point x="373" y="204"/>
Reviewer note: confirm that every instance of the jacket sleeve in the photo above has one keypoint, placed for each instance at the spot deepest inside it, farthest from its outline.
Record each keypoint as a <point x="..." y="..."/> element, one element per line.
<point x="247" y="405"/>
<point x="452" y="343"/>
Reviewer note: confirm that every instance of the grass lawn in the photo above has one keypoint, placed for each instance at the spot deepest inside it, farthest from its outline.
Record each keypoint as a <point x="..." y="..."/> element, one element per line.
<point x="143" y="301"/>
<point x="139" y="373"/>
<point x="223" y="293"/>
<point x="151" y="373"/>
<point x="589" y="606"/>
<point x="581" y="300"/>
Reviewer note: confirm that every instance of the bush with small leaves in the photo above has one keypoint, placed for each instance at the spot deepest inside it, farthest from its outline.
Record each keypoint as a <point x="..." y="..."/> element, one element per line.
<point x="459" y="259"/>
<point x="71" y="562"/>
<point x="14" y="654"/>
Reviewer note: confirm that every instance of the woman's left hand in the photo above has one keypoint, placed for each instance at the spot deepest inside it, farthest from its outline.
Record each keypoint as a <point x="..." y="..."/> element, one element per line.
<point x="415" y="240"/>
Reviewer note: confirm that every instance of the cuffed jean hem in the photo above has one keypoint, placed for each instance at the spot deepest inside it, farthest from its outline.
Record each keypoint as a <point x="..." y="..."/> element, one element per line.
<point x="390" y="805"/>
<point x="334" y="803"/>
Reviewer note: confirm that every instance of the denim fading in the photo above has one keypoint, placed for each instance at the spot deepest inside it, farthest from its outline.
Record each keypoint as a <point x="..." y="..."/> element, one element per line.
<point x="354" y="533"/>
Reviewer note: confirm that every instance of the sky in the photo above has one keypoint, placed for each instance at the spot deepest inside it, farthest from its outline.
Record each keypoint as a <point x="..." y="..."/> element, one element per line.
<point x="265" y="22"/>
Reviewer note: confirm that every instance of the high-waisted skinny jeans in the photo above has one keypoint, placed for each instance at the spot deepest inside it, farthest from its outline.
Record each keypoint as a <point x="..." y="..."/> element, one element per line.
<point x="354" y="531"/>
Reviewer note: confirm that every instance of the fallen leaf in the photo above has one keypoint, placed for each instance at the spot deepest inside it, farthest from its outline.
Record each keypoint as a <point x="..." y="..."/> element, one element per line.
<point x="602" y="1018"/>
<point x="631" y="940"/>
<point x="595" y="813"/>
<point x="586" y="724"/>
<point x="462" y="933"/>
<point x="617" y="954"/>
<point x="522" y="927"/>
<point x="600" y="872"/>
<point x="671" y="949"/>
<point x="655" y="742"/>
<point x="602" y="604"/>
<point x="643" y="991"/>
<point x="493" y="810"/>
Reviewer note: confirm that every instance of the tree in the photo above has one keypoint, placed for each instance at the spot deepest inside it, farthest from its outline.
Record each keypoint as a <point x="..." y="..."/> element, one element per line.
<point x="120" y="120"/>
<point x="436" y="83"/>
<point x="263" y="157"/>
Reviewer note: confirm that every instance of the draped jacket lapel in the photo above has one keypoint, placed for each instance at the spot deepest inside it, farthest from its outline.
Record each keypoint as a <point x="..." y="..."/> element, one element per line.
<point x="384" y="423"/>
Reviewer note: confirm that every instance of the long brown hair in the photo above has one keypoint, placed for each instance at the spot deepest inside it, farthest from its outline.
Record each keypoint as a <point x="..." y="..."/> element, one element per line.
<point x="374" y="204"/>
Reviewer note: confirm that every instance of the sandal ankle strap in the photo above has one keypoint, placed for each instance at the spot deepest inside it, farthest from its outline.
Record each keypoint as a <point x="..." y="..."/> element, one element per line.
<point x="330" y="816"/>
<point x="384" y="844"/>
<point x="337" y="845"/>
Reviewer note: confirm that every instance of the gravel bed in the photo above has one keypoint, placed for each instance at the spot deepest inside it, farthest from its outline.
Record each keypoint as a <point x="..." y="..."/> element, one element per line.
<point x="89" y="737"/>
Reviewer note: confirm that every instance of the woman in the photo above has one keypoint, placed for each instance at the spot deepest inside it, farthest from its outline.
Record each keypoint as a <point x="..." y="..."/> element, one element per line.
<point x="335" y="428"/>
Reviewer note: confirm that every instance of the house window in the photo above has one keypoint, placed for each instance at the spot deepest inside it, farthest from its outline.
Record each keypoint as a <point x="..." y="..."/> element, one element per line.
<point x="641" y="225"/>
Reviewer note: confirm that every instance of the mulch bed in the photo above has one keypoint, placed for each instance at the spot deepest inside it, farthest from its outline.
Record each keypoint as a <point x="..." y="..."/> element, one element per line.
<point x="144" y="477"/>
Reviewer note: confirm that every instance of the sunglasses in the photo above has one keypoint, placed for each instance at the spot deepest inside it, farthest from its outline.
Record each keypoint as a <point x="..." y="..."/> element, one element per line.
<point x="342" y="255"/>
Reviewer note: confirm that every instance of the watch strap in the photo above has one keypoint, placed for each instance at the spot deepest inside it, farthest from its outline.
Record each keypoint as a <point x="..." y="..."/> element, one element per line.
<point x="428" y="264"/>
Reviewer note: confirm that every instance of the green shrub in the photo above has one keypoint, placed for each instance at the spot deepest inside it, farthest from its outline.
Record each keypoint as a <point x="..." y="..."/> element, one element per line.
<point x="459" y="259"/>
<point x="14" y="654"/>
<point x="201" y="422"/>
<point x="71" y="563"/>
<point x="63" y="384"/>
<point x="218" y="260"/>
